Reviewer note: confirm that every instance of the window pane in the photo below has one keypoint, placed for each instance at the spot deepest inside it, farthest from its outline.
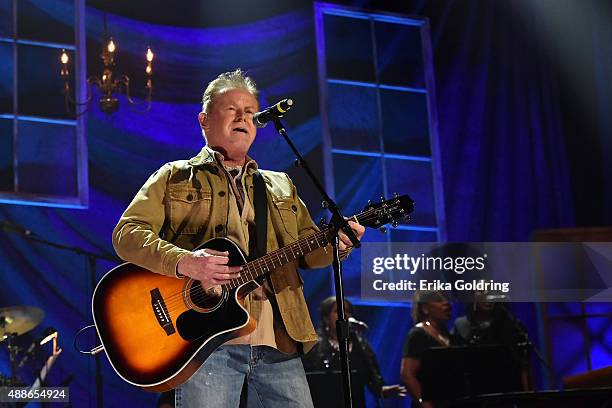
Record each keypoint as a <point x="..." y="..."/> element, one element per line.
<point x="357" y="179"/>
<point x="351" y="267"/>
<point x="6" y="18"/>
<point x="400" y="54"/>
<point x="6" y="155"/>
<point x="348" y="48"/>
<point x="353" y="118"/>
<point x="415" y="179"/>
<point x="46" y="20"/>
<point x="47" y="159"/>
<point x="405" y="122"/>
<point x="40" y="85"/>
<point x="6" y="78"/>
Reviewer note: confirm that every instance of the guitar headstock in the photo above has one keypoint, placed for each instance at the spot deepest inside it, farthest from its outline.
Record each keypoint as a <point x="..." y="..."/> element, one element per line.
<point x="375" y="215"/>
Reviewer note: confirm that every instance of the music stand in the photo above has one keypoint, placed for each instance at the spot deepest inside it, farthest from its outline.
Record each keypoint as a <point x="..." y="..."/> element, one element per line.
<point x="448" y="373"/>
<point x="326" y="388"/>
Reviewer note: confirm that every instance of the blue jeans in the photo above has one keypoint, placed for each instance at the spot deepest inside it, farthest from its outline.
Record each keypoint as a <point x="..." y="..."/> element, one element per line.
<point x="273" y="379"/>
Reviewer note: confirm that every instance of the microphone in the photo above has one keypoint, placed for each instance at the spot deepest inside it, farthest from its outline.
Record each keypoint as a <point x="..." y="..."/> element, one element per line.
<point x="10" y="226"/>
<point x="261" y="119"/>
<point x="357" y="324"/>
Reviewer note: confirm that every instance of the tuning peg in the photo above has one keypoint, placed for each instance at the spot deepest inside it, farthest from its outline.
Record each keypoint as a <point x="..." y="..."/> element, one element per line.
<point x="383" y="229"/>
<point x="394" y="224"/>
<point x="395" y="195"/>
<point x="322" y="223"/>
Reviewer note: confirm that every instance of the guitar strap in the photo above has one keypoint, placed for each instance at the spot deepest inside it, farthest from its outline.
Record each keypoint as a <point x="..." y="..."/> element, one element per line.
<point x="261" y="215"/>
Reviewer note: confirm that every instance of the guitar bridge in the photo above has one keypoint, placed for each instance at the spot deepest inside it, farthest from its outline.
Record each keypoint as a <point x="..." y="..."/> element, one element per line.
<point x="161" y="312"/>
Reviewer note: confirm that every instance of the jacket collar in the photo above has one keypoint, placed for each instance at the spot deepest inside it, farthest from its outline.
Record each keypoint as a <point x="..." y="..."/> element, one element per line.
<point x="208" y="156"/>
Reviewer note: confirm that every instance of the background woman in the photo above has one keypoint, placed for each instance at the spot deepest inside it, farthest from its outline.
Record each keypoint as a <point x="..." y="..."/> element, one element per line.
<point x="431" y="312"/>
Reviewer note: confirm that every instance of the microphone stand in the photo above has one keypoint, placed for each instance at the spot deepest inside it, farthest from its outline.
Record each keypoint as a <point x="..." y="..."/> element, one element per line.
<point x="336" y="223"/>
<point x="92" y="259"/>
<point x="526" y="343"/>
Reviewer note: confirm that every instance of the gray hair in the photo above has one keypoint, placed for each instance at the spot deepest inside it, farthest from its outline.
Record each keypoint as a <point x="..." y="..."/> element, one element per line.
<point x="227" y="80"/>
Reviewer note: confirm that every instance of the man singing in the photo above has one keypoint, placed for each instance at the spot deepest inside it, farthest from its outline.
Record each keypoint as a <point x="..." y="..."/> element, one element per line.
<point x="188" y="202"/>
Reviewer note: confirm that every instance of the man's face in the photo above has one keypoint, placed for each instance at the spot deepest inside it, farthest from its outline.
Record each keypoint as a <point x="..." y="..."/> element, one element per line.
<point x="228" y="126"/>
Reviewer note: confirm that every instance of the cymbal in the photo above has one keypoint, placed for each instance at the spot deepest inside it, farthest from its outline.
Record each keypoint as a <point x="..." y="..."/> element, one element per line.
<point x="19" y="320"/>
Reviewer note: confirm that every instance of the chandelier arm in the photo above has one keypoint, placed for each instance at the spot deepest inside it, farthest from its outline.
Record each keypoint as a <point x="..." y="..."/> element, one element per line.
<point x="125" y="80"/>
<point x="89" y="94"/>
<point x="70" y="103"/>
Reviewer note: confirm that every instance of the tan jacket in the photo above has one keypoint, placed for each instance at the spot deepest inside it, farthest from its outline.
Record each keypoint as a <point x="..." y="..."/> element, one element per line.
<point x="185" y="203"/>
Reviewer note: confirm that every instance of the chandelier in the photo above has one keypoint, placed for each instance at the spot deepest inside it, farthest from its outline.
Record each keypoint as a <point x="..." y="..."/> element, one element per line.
<point x="109" y="83"/>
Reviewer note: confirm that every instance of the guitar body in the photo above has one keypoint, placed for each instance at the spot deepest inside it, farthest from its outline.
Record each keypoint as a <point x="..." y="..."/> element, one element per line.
<point x="157" y="330"/>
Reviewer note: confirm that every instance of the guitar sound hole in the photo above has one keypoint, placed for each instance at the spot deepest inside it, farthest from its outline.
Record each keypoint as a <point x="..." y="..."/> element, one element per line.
<point x="206" y="299"/>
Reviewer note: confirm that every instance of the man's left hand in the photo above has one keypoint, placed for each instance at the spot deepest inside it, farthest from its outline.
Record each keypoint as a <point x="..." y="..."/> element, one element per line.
<point x="345" y="242"/>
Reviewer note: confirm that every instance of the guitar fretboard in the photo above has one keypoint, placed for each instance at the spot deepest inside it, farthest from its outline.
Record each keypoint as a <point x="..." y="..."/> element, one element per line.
<point x="275" y="259"/>
<point x="374" y="216"/>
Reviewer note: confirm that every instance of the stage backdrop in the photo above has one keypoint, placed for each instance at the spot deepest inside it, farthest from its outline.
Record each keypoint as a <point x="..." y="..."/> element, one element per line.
<point x="502" y="93"/>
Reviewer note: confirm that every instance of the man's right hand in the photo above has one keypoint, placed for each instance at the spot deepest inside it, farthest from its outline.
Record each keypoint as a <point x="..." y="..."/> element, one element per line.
<point x="209" y="267"/>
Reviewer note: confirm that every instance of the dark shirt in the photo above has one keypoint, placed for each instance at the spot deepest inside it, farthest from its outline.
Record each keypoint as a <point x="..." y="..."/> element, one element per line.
<point x="417" y="341"/>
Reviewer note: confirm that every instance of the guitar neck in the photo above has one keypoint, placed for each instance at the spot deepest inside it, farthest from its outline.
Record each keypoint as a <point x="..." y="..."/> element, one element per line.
<point x="282" y="256"/>
<point x="373" y="216"/>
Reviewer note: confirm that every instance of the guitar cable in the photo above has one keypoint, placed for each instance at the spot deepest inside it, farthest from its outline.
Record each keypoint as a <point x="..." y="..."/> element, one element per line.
<point x="91" y="352"/>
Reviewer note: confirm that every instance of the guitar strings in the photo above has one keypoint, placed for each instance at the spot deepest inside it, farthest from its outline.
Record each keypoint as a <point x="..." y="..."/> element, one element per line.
<point x="199" y="294"/>
<point x="256" y="263"/>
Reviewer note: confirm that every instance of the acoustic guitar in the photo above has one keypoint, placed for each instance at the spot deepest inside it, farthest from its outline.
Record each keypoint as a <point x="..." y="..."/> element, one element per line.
<point x="157" y="330"/>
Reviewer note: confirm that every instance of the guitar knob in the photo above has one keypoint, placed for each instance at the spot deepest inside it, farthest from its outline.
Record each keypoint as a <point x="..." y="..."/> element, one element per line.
<point x="383" y="229"/>
<point x="382" y="199"/>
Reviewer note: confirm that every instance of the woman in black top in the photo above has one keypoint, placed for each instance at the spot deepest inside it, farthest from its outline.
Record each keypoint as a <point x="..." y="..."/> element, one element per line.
<point x="431" y="312"/>
<point x="325" y="357"/>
